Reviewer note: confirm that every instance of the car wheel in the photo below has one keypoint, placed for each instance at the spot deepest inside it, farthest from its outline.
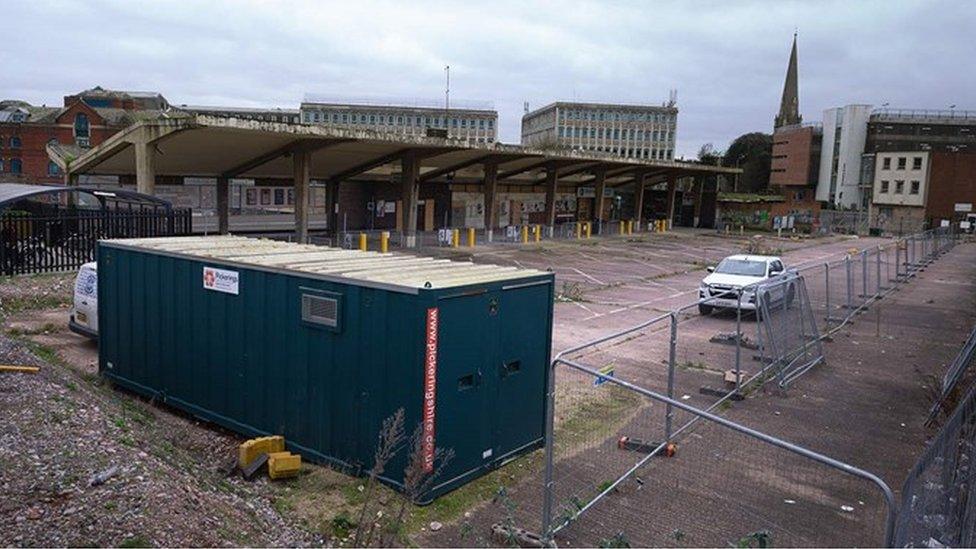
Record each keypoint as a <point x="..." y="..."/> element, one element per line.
<point x="705" y="309"/>
<point x="790" y="295"/>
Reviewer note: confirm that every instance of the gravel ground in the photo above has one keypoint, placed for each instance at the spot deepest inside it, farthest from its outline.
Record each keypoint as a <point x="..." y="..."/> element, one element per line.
<point x="62" y="428"/>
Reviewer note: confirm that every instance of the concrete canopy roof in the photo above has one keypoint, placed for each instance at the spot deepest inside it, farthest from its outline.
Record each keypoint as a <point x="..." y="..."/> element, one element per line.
<point x="207" y="146"/>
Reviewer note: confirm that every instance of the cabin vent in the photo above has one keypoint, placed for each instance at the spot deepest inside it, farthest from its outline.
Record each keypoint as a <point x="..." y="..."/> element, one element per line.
<point x="323" y="311"/>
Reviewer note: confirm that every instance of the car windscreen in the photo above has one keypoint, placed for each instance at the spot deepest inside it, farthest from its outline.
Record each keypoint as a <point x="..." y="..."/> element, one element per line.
<point x="742" y="267"/>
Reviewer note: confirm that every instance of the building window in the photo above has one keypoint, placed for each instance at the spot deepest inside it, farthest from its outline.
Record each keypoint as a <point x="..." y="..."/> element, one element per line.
<point x="491" y="124"/>
<point x="886" y="163"/>
<point x="899" y="187"/>
<point x="902" y="162"/>
<point x="915" y="187"/>
<point x="884" y="187"/>
<point x="81" y="125"/>
<point x="53" y="169"/>
<point x="15" y="142"/>
<point x="917" y="163"/>
<point x="16" y="166"/>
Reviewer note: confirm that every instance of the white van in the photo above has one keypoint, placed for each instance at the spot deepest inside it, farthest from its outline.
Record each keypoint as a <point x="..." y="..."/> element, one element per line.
<point x="84" y="312"/>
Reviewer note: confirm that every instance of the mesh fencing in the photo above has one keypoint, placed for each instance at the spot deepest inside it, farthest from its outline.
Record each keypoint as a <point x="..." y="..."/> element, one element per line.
<point x="621" y="401"/>
<point x="790" y="341"/>
<point x="938" y="507"/>
<point x="613" y="478"/>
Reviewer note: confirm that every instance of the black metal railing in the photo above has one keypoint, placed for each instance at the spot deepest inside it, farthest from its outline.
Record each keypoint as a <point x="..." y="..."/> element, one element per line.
<point x="61" y="241"/>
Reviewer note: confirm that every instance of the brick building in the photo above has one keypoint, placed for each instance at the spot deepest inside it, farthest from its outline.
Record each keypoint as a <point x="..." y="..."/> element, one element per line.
<point x="952" y="186"/>
<point x="794" y="168"/>
<point x="917" y="167"/>
<point x="27" y="130"/>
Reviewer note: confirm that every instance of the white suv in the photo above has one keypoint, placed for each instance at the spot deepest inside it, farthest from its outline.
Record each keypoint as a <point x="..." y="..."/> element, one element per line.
<point x="735" y="272"/>
<point x="84" y="312"/>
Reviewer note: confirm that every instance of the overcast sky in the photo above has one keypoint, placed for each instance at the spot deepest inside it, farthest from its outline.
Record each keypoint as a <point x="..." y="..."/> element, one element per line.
<point x="726" y="59"/>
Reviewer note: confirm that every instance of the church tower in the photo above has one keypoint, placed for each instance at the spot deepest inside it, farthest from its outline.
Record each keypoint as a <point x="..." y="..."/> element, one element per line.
<point x="789" y="106"/>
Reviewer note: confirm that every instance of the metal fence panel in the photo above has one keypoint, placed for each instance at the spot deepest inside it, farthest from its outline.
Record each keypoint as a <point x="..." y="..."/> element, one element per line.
<point x="618" y="405"/>
<point x="938" y="507"/>
<point x="725" y="484"/>
<point x="65" y="240"/>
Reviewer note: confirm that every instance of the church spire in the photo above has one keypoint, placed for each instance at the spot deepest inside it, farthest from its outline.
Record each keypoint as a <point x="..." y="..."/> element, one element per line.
<point x="789" y="106"/>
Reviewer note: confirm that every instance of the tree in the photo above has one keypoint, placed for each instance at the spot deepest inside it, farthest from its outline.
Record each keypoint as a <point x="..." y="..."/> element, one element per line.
<point x="752" y="152"/>
<point x="708" y="155"/>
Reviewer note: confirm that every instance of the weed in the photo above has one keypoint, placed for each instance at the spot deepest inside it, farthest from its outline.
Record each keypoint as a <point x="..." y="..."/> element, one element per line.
<point x="71" y="386"/>
<point x="110" y="506"/>
<point x="342" y="525"/>
<point x="689" y="365"/>
<point x="761" y="539"/>
<point x="619" y="540"/>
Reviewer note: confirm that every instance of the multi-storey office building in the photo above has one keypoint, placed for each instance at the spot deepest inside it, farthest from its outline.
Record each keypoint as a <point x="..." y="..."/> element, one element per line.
<point x="471" y="125"/>
<point x="844" y="134"/>
<point x="629" y="131"/>
<point x="915" y="167"/>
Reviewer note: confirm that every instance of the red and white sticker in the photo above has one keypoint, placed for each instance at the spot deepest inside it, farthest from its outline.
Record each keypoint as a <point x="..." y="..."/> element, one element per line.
<point x="428" y="446"/>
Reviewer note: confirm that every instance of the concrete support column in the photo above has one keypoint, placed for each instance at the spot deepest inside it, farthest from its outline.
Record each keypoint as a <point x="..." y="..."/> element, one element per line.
<point x="332" y="206"/>
<point x="145" y="168"/>
<point x="223" y="205"/>
<point x="599" y="187"/>
<point x="300" y="165"/>
<point x="552" y="179"/>
<point x="672" y="192"/>
<point x="491" y="185"/>
<point x="698" y="188"/>
<point x="639" y="199"/>
<point x="410" y="193"/>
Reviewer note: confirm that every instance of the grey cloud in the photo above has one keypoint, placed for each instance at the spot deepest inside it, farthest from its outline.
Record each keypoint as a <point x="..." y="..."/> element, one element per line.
<point x="727" y="60"/>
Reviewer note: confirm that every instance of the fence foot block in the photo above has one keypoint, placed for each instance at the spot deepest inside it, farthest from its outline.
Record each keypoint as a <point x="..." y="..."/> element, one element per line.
<point x="646" y="446"/>
<point x="507" y="536"/>
<point x="719" y="393"/>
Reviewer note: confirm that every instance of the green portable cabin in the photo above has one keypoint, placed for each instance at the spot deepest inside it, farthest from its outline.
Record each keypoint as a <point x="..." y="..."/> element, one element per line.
<point x="322" y="344"/>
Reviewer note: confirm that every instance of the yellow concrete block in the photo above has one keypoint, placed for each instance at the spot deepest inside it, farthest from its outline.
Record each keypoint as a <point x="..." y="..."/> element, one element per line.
<point x="257" y="446"/>
<point x="283" y="464"/>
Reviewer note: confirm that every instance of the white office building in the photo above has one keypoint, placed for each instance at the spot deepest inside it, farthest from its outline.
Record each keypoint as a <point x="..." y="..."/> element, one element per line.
<point x="629" y="131"/>
<point x="844" y="134"/>
<point x="474" y="125"/>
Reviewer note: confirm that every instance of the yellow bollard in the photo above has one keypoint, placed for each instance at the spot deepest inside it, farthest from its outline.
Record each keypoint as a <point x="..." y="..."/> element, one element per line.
<point x="538" y="233"/>
<point x="579" y="230"/>
<point x="630" y="226"/>
<point x="362" y="242"/>
<point x="589" y="229"/>
<point x="384" y="242"/>
<point x="525" y="234"/>
<point x="455" y="238"/>
<point x="471" y="237"/>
